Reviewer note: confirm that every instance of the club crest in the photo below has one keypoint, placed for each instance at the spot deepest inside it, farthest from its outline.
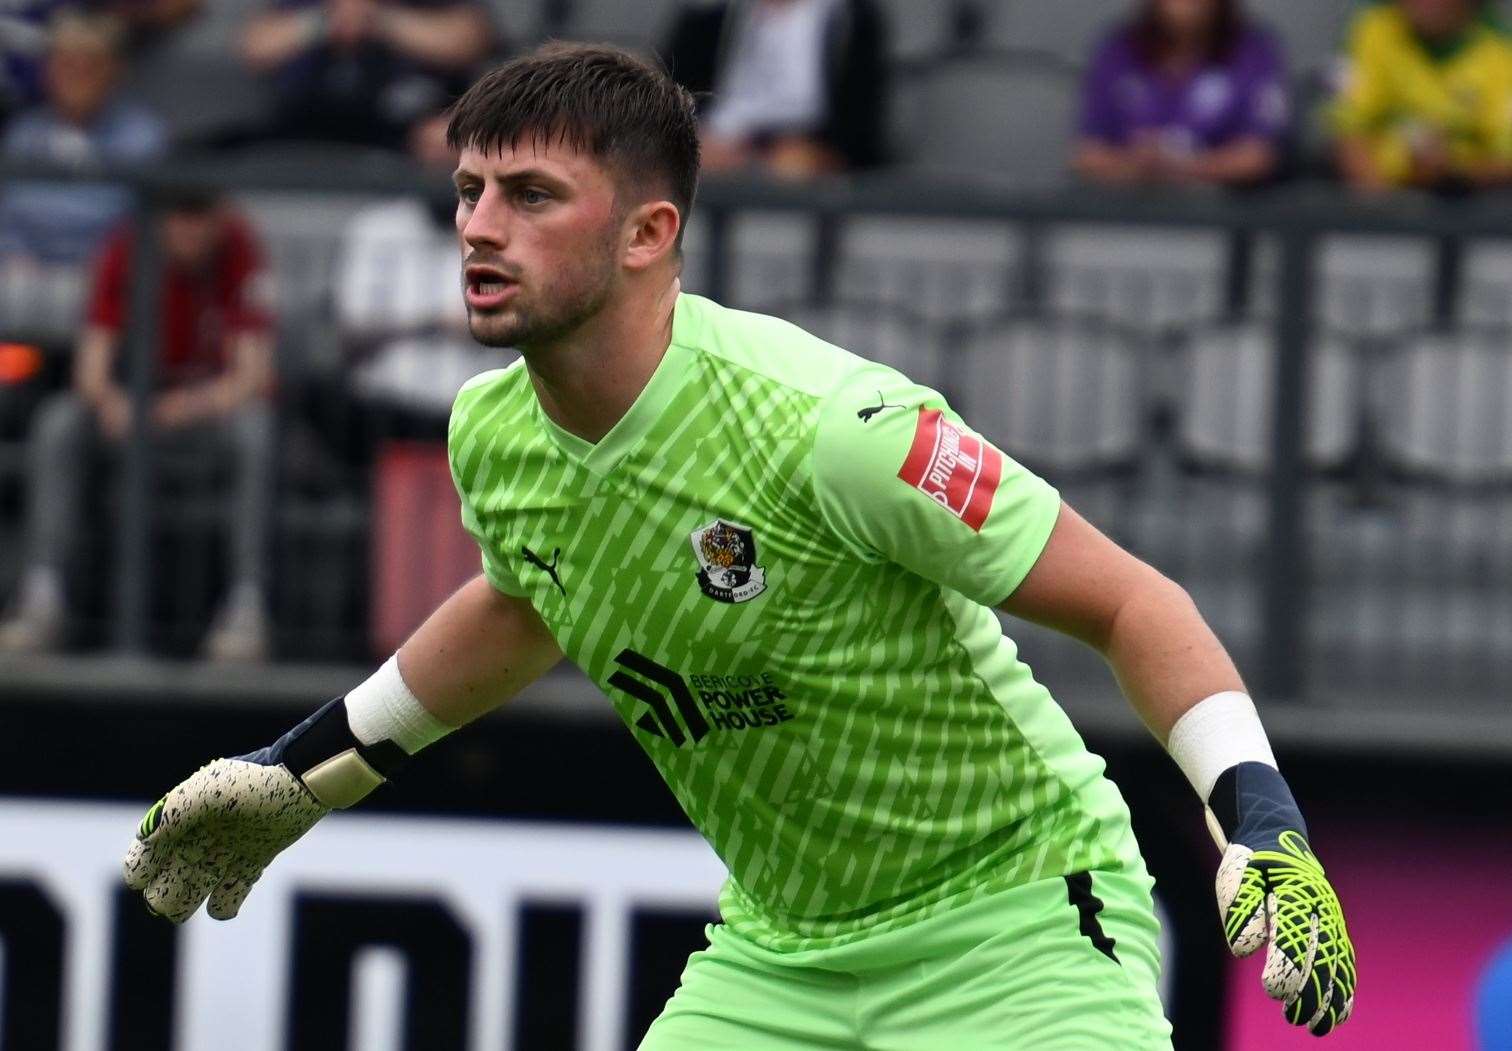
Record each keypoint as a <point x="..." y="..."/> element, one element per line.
<point x="727" y="554"/>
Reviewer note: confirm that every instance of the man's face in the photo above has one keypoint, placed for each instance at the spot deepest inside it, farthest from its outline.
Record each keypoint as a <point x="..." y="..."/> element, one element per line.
<point x="81" y="73"/>
<point x="1439" y="18"/>
<point x="1187" y="16"/>
<point x="190" y="236"/>
<point x="539" y="227"/>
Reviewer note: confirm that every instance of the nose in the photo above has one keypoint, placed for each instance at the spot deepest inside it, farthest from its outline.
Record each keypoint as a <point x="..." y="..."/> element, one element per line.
<point x="487" y="225"/>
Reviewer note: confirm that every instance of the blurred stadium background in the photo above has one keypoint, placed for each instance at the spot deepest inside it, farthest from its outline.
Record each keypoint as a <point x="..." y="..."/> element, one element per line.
<point x="1296" y="401"/>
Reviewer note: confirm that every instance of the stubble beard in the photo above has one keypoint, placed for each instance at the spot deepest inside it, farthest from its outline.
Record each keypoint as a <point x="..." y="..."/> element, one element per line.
<point x="564" y="305"/>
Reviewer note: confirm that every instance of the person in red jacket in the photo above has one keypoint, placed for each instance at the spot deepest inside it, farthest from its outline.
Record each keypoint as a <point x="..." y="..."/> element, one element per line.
<point x="213" y="375"/>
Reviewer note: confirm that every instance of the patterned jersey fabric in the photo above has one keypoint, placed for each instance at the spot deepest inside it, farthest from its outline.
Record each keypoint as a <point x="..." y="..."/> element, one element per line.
<point x="778" y="565"/>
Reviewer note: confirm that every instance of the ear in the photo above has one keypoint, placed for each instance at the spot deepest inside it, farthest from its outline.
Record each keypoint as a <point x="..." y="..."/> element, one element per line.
<point x="651" y="234"/>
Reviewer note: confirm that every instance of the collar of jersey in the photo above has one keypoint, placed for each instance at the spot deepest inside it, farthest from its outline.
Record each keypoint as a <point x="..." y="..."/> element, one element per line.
<point x="671" y="372"/>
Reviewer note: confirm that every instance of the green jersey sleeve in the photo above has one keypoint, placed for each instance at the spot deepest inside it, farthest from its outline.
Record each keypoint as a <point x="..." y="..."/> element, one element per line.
<point x="899" y="477"/>
<point x="465" y="452"/>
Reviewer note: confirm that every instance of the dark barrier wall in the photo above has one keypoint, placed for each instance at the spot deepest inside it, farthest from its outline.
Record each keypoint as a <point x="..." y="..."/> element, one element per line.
<point x="533" y="769"/>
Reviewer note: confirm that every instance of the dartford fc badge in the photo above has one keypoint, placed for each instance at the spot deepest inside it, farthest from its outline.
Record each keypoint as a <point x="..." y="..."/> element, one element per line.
<point x="727" y="553"/>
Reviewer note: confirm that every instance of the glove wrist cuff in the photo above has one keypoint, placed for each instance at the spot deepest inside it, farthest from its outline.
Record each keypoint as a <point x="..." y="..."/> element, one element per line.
<point x="328" y="759"/>
<point x="1252" y="805"/>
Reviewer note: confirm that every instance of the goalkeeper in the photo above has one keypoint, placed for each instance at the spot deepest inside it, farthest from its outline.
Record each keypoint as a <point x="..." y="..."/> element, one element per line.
<point x="780" y="563"/>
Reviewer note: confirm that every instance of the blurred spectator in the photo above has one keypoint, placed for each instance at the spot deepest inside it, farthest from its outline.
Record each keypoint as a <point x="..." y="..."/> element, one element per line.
<point x="48" y="232"/>
<point x="1426" y="99"/>
<point x="401" y="319"/>
<point x="364" y="71"/>
<point x="798" y="87"/>
<point x="214" y="370"/>
<point x="23" y="37"/>
<point x="1190" y="91"/>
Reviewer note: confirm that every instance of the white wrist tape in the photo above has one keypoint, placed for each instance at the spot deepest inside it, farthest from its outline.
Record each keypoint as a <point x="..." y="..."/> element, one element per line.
<point x="1215" y="734"/>
<point x="384" y="709"/>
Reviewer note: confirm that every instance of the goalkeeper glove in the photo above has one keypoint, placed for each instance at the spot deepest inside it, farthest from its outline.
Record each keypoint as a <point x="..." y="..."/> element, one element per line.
<point x="213" y="835"/>
<point x="1271" y="889"/>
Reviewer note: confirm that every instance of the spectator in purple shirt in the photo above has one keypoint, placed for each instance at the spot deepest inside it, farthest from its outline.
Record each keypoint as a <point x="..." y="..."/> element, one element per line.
<point x="1188" y="92"/>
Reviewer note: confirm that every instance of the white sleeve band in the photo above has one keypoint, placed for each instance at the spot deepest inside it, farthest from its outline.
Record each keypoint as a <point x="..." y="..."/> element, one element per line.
<point x="1215" y="734"/>
<point x="384" y="709"/>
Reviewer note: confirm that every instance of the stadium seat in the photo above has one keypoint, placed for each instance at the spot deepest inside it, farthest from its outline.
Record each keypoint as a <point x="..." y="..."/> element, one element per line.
<point x="194" y="77"/>
<point x="1067" y="31"/>
<point x="302" y="233"/>
<point x="918" y="30"/>
<point x="1368" y="286"/>
<point x="643" y="24"/>
<point x="882" y="333"/>
<point x="1062" y="396"/>
<point x="941" y="268"/>
<point x="988" y="117"/>
<point x="1485" y="291"/>
<point x="519" y="23"/>
<point x="1148" y="279"/>
<point x="771" y="258"/>
<point x="1441" y="407"/>
<point x="1225" y="399"/>
<point x="1312" y="34"/>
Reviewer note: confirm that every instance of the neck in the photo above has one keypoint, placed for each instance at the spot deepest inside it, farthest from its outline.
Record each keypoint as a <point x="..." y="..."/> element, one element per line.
<point x="1183" y="50"/>
<point x="588" y="380"/>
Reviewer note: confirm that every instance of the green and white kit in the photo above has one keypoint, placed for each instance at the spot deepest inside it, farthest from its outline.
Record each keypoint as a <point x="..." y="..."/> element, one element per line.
<point x="779" y="566"/>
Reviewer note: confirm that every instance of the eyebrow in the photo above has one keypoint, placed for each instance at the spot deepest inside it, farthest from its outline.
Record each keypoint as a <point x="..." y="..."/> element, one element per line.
<point x="462" y="175"/>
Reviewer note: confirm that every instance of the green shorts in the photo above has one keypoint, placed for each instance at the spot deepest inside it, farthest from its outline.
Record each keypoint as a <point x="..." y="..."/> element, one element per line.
<point x="1062" y="964"/>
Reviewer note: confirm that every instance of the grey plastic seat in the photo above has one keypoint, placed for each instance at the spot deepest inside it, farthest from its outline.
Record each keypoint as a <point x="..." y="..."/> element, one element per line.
<point x="984" y="116"/>
<point x="643" y="23"/>
<point x="1226" y="399"/>
<point x="1485" y="288"/>
<point x="1312" y="34"/>
<point x="519" y="22"/>
<point x="1367" y="286"/>
<point x="771" y="258"/>
<point x="1443" y="407"/>
<point x="942" y="268"/>
<point x="917" y="30"/>
<point x="889" y="335"/>
<point x="1149" y="279"/>
<point x="1059" y="395"/>
<point x="194" y="77"/>
<point x="1068" y="31"/>
<point x="302" y="235"/>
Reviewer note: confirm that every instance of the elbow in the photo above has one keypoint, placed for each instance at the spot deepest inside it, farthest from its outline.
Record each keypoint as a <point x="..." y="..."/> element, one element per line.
<point x="1155" y="598"/>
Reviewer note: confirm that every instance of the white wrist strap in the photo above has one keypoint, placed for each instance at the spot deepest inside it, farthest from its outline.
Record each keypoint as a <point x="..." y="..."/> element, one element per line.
<point x="1215" y="734"/>
<point x="384" y="709"/>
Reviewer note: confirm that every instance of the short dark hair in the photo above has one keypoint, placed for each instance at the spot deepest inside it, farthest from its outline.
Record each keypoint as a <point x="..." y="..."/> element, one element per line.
<point x="1152" y="42"/>
<point x="601" y="100"/>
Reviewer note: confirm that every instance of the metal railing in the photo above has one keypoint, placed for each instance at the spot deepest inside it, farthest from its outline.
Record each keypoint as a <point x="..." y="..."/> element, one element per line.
<point x="998" y="299"/>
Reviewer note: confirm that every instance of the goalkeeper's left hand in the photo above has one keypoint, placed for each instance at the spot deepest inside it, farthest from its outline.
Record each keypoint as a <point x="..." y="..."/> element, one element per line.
<point x="1272" y="890"/>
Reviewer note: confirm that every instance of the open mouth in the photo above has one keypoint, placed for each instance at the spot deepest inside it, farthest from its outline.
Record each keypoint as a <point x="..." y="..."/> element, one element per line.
<point x="487" y="287"/>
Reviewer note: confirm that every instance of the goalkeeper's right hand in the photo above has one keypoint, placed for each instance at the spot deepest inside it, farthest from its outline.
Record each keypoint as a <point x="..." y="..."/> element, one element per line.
<point x="213" y="835"/>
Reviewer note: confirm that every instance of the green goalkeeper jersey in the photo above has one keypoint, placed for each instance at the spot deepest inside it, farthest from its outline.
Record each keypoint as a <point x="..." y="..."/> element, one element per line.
<point x="779" y="566"/>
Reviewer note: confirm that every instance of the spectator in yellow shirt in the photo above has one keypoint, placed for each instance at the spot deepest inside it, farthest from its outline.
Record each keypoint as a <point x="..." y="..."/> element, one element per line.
<point x="1427" y="97"/>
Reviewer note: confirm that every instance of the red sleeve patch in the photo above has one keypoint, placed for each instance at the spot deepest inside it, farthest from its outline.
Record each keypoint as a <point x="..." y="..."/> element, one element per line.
<point x="953" y="467"/>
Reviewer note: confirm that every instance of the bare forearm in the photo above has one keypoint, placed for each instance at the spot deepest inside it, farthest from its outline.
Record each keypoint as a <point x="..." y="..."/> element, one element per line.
<point x="478" y="649"/>
<point x="92" y="366"/>
<point x="273" y="38"/>
<point x="1165" y="656"/>
<point x="1109" y="164"/>
<point x="1242" y="162"/>
<point x="1357" y="164"/>
<point x="452" y="38"/>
